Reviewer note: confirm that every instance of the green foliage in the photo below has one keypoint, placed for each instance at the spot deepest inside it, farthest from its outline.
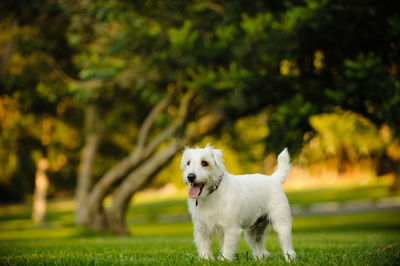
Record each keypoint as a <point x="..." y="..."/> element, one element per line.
<point x="342" y="132"/>
<point x="352" y="73"/>
<point x="293" y="59"/>
<point x="257" y="27"/>
<point x="293" y="116"/>
<point x="183" y="38"/>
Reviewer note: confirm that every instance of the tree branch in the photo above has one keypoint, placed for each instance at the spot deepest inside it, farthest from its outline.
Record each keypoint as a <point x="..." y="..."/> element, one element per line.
<point x="177" y="123"/>
<point x="64" y="77"/>
<point x="137" y="178"/>
<point x="149" y="121"/>
<point x="93" y="132"/>
<point x="140" y="176"/>
<point x="101" y="188"/>
<point x="204" y="125"/>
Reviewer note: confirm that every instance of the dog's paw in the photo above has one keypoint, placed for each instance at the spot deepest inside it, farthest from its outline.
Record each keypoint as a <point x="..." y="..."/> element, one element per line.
<point x="262" y="255"/>
<point x="225" y="257"/>
<point x="290" y="256"/>
<point x="206" y="256"/>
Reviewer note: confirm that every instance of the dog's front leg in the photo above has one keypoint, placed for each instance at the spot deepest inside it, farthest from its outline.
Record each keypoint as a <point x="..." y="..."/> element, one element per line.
<point x="203" y="242"/>
<point x="231" y="239"/>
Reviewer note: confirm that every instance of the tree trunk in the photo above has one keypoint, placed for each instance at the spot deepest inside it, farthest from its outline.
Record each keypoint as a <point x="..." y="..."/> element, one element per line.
<point x="143" y="174"/>
<point x="93" y="134"/>
<point x="142" y="164"/>
<point x="93" y="206"/>
<point x="95" y="218"/>
<point x="387" y="165"/>
<point x="135" y="181"/>
<point x="343" y="159"/>
<point x="40" y="193"/>
<point x="396" y="184"/>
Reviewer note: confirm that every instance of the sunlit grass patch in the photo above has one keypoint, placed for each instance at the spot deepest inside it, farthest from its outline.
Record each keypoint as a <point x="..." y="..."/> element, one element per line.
<point x="165" y="229"/>
<point x="55" y="231"/>
<point x="373" y="193"/>
<point x="371" y="221"/>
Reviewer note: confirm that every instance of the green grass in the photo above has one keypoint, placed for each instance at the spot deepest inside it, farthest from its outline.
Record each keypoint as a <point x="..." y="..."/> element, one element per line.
<point x="357" y="239"/>
<point x="342" y="195"/>
<point x="369" y="238"/>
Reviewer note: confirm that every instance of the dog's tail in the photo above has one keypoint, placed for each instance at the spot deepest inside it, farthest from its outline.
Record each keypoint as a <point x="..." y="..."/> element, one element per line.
<point x="283" y="166"/>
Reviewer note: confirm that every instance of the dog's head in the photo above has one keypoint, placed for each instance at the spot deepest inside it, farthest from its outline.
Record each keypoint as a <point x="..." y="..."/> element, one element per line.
<point x="202" y="170"/>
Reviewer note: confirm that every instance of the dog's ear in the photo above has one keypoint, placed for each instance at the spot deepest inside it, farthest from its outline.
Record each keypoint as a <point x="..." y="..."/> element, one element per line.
<point x="184" y="157"/>
<point x="216" y="155"/>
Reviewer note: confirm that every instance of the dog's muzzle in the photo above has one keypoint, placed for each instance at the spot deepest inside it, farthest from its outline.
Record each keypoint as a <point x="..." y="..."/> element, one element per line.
<point x="191" y="177"/>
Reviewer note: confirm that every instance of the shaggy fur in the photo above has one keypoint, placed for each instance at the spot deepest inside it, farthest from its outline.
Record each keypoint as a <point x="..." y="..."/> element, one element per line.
<point x="224" y="205"/>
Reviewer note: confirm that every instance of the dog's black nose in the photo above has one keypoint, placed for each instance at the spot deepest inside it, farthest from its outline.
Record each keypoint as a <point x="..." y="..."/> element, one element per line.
<point x="191" y="177"/>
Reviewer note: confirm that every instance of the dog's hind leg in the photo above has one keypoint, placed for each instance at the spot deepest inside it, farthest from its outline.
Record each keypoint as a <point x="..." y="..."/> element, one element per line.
<point x="283" y="228"/>
<point x="255" y="238"/>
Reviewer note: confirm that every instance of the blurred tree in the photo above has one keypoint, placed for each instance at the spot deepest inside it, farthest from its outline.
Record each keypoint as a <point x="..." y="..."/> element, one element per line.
<point x="308" y="57"/>
<point x="335" y="61"/>
<point x="346" y="136"/>
<point x="125" y="76"/>
<point x="35" y="132"/>
<point x="151" y="76"/>
<point x="131" y="53"/>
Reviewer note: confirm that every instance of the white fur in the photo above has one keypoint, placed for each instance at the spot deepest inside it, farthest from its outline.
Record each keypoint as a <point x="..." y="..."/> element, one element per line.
<point x="237" y="204"/>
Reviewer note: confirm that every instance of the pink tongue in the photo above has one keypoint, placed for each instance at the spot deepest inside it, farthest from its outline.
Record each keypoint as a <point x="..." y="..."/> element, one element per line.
<point x="194" y="191"/>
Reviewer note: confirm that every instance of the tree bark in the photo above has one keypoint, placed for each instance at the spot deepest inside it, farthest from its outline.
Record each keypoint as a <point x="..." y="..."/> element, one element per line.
<point x="40" y="193"/>
<point x="387" y="165"/>
<point x="142" y="165"/>
<point x="144" y="174"/>
<point x="93" y="209"/>
<point x="343" y="159"/>
<point x="396" y="184"/>
<point x="93" y="135"/>
<point x="135" y="181"/>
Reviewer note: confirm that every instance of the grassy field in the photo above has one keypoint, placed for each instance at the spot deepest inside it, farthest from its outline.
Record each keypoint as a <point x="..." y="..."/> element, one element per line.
<point x="365" y="238"/>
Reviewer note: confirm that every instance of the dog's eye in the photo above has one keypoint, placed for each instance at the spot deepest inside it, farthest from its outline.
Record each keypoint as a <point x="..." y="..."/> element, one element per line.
<point x="188" y="163"/>
<point x="204" y="164"/>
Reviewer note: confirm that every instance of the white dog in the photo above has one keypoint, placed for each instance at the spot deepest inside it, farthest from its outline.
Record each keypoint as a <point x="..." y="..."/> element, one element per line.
<point x="223" y="204"/>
